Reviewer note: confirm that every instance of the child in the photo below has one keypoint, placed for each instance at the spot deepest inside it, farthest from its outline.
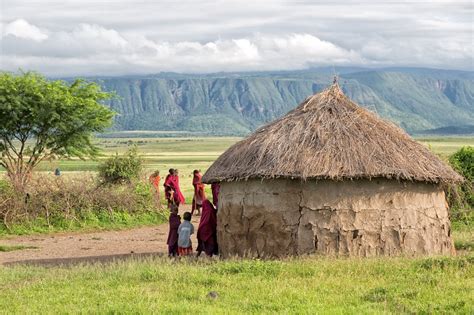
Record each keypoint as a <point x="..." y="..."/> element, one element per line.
<point x="199" y="195"/>
<point x="184" y="236"/>
<point x="175" y="221"/>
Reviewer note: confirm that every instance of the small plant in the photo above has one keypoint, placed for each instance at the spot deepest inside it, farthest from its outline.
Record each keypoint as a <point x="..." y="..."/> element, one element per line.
<point x="121" y="169"/>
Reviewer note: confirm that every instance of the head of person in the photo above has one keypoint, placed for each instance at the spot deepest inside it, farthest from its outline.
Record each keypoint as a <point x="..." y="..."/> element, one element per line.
<point x="195" y="172"/>
<point x="156" y="173"/>
<point x="174" y="208"/>
<point x="187" y="216"/>
<point x="171" y="171"/>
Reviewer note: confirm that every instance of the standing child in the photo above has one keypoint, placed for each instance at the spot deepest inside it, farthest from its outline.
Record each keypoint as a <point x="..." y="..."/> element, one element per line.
<point x="185" y="230"/>
<point x="199" y="195"/>
<point x="175" y="221"/>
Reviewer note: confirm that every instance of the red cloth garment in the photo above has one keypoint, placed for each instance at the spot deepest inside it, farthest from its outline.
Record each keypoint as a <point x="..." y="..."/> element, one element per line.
<point x="168" y="189"/>
<point x="175" y="221"/>
<point x="199" y="194"/>
<point x="155" y="181"/>
<point x="215" y="187"/>
<point x="208" y="224"/>
<point x="172" y="183"/>
<point x="182" y="251"/>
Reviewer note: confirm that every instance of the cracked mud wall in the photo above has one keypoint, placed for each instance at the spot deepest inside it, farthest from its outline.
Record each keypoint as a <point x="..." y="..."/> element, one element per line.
<point x="355" y="218"/>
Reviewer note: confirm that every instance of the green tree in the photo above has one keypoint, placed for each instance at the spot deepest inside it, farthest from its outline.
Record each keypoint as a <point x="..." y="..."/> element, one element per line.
<point x="43" y="120"/>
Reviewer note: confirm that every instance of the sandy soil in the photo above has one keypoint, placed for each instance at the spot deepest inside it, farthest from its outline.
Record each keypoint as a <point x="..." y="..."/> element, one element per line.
<point x="93" y="246"/>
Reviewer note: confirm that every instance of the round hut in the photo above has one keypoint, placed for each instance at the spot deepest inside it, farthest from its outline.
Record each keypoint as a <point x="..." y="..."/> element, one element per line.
<point x="330" y="177"/>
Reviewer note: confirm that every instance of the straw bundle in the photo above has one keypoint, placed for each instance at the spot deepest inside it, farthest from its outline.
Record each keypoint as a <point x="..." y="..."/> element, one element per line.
<point x="330" y="137"/>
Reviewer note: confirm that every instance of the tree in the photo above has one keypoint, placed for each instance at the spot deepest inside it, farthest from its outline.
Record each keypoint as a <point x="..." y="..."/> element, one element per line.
<point x="43" y="120"/>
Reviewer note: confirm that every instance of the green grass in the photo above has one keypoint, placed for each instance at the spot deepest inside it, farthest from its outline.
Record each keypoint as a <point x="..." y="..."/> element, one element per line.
<point x="446" y="146"/>
<point x="298" y="286"/>
<point x="91" y="222"/>
<point x="10" y="248"/>
<point x="188" y="154"/>
<point x="463" y="236"/>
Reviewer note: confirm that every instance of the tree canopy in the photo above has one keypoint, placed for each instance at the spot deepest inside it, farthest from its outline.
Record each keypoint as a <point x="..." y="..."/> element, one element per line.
<point x="42" y="119"/>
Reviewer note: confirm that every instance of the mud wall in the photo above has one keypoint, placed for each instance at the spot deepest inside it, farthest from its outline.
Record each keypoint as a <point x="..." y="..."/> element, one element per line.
<point x="354" y="218"/>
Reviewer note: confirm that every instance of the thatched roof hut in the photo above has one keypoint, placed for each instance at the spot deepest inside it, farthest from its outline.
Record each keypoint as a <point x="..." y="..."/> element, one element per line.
<point x="331" y="177"/>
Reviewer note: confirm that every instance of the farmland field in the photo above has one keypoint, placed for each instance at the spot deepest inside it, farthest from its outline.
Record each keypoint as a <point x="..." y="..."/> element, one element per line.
<point x="188" y="154"/>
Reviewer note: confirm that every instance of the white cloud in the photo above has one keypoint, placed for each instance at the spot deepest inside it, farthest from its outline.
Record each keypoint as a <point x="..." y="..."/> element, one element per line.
<point x="88" y="49"/>
<point x="125" y="37"/>
<point x="22" y="29"/>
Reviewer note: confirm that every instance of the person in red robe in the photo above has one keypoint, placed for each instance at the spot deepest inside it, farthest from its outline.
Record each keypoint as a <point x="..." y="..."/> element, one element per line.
<point x="215" y="187"/>
<point x="199" y="194"/>
<point x="175" y="196"/>
<point x="168" y="188"/>
<point x="207" y="230"/>
<point x="174" y="221"/>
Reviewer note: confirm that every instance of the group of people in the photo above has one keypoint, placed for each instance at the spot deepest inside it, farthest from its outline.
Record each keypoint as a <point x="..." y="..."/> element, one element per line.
<point x="179" y="236"/>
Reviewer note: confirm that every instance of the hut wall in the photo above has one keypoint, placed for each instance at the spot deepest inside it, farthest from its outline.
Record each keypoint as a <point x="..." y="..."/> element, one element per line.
<point x="355" y="218"/>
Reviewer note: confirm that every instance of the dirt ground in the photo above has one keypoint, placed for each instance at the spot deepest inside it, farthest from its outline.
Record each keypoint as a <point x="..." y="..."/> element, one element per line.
<point x="58" y="248"/>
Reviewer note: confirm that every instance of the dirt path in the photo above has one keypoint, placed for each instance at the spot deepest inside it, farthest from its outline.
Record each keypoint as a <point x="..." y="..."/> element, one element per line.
<point x="94" y="246"/>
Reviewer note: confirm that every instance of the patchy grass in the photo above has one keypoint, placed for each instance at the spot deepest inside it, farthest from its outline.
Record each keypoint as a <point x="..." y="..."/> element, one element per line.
<point x="463" y="236"/>
<point x="299" y="286"/>
<point x="95" y="221"/>
<point x="11" y="248"/>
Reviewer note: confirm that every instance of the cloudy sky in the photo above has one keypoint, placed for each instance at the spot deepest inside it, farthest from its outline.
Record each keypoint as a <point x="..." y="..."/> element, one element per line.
<point x="104" y="37"/>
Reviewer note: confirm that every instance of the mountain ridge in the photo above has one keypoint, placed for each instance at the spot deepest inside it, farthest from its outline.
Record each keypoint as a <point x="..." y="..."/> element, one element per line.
<point x="416" y="99"/>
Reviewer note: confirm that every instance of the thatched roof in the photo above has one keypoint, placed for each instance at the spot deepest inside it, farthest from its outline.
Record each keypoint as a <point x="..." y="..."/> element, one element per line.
<point x="330" y="137"/>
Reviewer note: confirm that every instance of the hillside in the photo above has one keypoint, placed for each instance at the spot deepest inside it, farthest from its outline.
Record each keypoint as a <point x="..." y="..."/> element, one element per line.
<point x="418" y="100"/>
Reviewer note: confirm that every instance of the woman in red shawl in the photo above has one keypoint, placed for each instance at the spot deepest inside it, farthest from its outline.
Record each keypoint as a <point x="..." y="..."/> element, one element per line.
<point x="172" y="183"/>
<point x="168" y="189"/>
<point x="207" y="230"/>
<point x="199" y="194"/>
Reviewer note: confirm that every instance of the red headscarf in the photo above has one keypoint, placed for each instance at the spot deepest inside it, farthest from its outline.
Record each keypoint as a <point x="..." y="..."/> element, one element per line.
<point x="208" y="224"/>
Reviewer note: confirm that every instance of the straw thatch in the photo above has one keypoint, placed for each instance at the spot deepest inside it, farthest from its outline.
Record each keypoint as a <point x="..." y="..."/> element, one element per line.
<point x="330" y="137"/>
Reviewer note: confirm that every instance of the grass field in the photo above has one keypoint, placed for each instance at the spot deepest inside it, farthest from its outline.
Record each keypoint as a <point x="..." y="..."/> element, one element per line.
<point x="188" y="154"/>
<point x="297" y="286"/>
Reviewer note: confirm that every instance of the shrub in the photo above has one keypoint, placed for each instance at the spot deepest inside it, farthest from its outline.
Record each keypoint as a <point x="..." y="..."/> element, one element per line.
<point x="461" y="197"/>
<point x="71" y="202"/>
<point x="121" y="168"/>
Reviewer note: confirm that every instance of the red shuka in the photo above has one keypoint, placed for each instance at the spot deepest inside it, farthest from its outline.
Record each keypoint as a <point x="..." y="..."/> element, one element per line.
<point x="207" y="229"/>
<point x="172" y="181"/>
<point x="155" y="181"/>
<point x="199" y="195"/>
<point x="175" y="221"/>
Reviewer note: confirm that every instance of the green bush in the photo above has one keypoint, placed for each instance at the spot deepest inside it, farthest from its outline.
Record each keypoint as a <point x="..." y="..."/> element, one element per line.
<point x="461" y="197"/>
<point x="121" y="168"/>
<point x="73" y="202"/>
